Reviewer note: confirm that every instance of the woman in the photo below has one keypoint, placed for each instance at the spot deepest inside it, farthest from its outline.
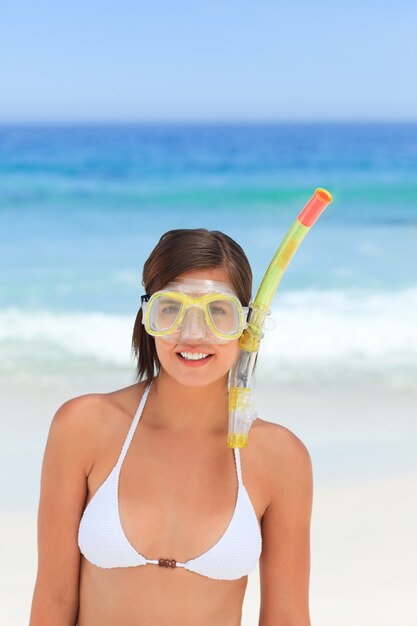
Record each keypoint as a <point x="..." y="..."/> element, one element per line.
<point x="146" y="516"/>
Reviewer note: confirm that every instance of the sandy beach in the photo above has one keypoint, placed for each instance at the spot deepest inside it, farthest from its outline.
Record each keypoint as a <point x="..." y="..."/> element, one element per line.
<point x="364" y="541"/>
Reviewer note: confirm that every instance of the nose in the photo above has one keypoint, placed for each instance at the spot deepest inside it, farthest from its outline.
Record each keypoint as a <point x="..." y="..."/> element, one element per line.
<point x="193" y="326"/>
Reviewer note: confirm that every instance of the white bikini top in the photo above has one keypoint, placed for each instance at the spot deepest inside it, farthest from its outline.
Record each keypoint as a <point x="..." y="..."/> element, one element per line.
<point x="102" y="541"/>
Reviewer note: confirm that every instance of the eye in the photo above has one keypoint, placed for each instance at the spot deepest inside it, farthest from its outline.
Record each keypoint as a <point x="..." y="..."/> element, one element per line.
<point x="170" y="309"/>
<point x="216" y="309"/>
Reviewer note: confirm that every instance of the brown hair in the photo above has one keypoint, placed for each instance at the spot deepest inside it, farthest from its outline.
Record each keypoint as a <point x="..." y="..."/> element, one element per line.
<point x="177" y="252"/>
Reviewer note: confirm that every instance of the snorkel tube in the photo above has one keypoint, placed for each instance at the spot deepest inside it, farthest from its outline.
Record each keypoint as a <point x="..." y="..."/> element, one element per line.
<point x="241" y="412"/>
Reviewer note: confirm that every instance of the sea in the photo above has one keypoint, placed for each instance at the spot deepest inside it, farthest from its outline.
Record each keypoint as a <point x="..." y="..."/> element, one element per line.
<point x="82" y="206"/>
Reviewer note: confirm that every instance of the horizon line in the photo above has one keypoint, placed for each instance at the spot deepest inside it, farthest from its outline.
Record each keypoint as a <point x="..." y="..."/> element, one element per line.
<point x="203" y="121"/>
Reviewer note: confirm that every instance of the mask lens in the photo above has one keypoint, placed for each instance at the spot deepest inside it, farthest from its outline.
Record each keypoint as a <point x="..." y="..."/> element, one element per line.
<point x="224" y="315"/>
<point x="164" y="313"/>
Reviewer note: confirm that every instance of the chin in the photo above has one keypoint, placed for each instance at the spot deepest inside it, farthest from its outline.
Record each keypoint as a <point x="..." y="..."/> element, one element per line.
<point x="190" y="379"/>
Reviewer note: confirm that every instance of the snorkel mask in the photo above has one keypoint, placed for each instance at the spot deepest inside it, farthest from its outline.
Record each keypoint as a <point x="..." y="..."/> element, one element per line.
<point x="198" y="310"/>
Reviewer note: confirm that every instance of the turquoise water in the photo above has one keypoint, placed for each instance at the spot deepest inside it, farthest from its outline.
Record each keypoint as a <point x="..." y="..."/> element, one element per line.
<point x="81" y="207"/>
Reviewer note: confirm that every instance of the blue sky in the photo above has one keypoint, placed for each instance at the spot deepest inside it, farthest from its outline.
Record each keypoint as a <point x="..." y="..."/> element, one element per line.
<point x="216" y="60"/>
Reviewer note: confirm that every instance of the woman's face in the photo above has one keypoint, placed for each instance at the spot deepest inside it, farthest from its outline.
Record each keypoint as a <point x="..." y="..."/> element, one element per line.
<point x="197" y="373"/>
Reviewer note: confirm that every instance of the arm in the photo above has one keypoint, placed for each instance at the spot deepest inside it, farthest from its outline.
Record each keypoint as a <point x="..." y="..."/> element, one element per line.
<point x="285" y="559"/>
<point x="65" y="467"/>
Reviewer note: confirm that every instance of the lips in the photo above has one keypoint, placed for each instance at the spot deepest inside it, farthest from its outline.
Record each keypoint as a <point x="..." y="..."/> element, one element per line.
<point x="194" y="350"/>
<point x="205" y="357"/>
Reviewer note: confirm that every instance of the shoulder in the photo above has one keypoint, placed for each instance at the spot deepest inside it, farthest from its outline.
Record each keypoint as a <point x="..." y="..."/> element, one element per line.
<point x="285" y="457"/>
<point x="280" y="442"/>
<point x="87" y="409"/>
<point x="86" y="422"/>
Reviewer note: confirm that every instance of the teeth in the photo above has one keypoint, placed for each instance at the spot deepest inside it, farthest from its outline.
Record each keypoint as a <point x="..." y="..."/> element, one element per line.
<point x="193" y="356"/>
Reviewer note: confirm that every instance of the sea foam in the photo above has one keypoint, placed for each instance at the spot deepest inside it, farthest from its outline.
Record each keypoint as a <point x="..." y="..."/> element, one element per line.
<point x="315" y="332"/>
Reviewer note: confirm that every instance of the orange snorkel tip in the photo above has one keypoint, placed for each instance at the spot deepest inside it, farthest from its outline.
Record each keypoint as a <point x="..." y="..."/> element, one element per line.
<point x="315" y="207"/>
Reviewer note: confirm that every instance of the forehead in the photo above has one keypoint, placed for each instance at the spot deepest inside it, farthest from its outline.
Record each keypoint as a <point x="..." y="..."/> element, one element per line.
<point x="217" y="274"/>
<point x="200" y="281"/>
<point x="199" y="286"/>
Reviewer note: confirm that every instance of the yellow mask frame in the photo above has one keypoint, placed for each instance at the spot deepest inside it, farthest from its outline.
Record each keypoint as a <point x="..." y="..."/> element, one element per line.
<point x="194" y="303"/>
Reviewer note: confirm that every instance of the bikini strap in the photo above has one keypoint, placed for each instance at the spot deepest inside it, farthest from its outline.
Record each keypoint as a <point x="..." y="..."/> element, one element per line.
<point x="238" y="466"/>
<point x="132" y="428"/>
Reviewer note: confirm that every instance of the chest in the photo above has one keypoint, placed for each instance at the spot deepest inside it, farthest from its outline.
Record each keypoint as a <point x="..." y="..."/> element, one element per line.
<point x="176" y="498"/>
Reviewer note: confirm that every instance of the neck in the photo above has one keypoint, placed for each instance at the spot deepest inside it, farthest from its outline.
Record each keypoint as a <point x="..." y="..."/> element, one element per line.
<point x="185" y="409"/>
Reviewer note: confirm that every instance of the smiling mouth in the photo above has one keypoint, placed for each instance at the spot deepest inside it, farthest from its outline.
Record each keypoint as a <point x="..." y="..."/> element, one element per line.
<point x="194" y="356"/>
